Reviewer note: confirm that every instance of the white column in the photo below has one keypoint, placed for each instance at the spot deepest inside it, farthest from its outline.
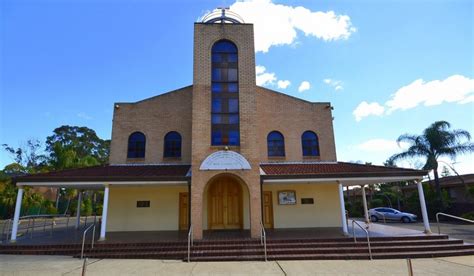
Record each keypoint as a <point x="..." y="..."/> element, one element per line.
<point x="78" y="211"/>
<point x="16" y="216"/>
<point x="424" y="213"/>
<point x="343" y="210"/>
<point x="364" y="201"/>
<point x="105" y="206"/>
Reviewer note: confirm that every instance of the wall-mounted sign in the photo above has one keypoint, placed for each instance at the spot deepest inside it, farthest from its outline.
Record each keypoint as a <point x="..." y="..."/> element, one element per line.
<point x="143" y="204"/>
<point x="307" y="201"/>
<point x="287" y="197"/>
<point x="225" y="160"/>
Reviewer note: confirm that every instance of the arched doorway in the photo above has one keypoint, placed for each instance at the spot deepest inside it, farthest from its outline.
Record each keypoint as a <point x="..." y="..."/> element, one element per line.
<point x="224" y="203"/>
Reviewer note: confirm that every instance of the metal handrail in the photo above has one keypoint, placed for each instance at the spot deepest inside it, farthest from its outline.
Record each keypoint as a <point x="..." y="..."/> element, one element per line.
<point x="451" y="216"/>
<point x="190" y="241"/>
<point x="6" y="225"/>
<point x="84" y="238"/>
<point x="263" y="239"/>
<point x="366" y="233"/>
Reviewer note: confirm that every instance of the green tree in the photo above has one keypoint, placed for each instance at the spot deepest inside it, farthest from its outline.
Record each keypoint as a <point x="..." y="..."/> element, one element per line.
<point x="73" y="146"/>
<point x="437" y="140"/>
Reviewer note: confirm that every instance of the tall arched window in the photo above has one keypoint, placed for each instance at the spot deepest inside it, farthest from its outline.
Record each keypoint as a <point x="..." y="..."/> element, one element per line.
<point x="310" y="143"/>
<point x="172" y="144"/>
<point x="275" y="144"/>
<point x="225" y="94"/>
<point x="136" y="145"/>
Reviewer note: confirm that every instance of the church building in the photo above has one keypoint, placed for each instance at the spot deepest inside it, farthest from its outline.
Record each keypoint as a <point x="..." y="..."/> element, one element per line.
<point x="221" y="153"/>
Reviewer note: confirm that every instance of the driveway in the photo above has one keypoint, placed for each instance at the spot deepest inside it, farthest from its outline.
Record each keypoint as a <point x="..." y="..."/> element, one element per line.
<point x="454" y="230"/>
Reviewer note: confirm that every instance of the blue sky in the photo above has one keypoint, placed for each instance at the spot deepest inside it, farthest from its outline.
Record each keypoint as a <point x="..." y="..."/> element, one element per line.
<point x="411" y="62"/>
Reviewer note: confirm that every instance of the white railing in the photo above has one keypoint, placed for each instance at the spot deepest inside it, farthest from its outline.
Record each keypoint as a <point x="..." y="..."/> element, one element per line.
<point x="450" y="216"/>
<point x="31" y="224"/>
<point x="84" y="238"/>
<point x="263" y="239"/>
<point x="190" y="241"/>
<point x="366" y="233"/>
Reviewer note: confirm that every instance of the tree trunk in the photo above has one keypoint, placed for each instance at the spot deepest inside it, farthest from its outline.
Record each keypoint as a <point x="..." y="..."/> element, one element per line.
<point x="438" y="189"/>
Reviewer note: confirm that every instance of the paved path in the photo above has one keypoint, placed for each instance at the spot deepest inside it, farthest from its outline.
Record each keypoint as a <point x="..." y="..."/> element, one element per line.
<point x="61" y="265"/>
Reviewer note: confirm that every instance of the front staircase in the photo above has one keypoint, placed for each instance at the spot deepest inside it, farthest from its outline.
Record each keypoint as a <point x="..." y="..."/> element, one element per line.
<point x="252" y="250"/>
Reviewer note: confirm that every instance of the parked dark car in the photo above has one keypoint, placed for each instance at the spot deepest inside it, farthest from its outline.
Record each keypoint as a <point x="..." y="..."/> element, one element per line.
<point x="390" y="214"/>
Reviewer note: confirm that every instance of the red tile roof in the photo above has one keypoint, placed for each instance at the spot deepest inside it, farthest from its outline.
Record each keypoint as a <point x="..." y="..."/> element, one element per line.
<point x="336" y="169"/>
<point x="179" y="172"/>
<point x="113" y="173"/>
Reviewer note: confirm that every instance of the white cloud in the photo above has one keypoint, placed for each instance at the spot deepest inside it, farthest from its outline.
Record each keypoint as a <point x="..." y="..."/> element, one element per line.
<point x="259" y="69"/>
<point x="84" y="116"/>
<point x="336" y="84"/>
<point x="382" y="145"/>
<point x="264" y="78"/>
<point x="454" y="89"/>
<point x="305" y="85"/>
<point x="365" y="109"/>
<point x="283" y="84"/>
<point x="276" y="24"/>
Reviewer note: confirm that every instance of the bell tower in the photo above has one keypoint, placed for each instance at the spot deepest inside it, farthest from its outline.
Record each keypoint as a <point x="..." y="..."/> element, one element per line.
<point x="224" y="107"/>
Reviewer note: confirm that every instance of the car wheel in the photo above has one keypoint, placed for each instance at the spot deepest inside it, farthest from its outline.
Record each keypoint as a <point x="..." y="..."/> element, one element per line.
<point x="405" y="219"/>
<point x="374" y="218"/>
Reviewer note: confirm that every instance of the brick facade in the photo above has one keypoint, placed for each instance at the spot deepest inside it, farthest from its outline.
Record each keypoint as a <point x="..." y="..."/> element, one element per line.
<point x="188" y="111"/>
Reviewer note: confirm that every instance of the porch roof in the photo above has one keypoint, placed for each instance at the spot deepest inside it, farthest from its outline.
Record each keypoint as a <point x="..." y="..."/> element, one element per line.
<point x="109" y="173"/>
<point x="96" y="177"/>
<point x="346" y="173"/>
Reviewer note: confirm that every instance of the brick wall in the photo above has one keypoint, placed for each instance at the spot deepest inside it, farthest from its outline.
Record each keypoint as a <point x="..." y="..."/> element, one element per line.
<point x="154" y="117"/>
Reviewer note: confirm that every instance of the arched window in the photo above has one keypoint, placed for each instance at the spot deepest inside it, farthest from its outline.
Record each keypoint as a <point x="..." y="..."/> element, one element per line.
<point x="172" y="144"/>
<point x="310" y="143"/>
<point x="225" y="94"/>
<point x="275" y="144"/>
<point x="136" y="145"/>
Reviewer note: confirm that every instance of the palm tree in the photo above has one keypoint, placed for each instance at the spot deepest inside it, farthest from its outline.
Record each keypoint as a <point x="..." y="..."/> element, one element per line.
<point x="437" y="140"/>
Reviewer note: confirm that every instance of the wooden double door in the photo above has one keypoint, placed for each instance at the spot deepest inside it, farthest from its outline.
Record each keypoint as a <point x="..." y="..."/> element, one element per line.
<point x="225" y="204"/>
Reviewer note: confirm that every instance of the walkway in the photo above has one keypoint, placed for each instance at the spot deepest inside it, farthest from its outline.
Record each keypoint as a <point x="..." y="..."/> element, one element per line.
<point x="58" y="265"/>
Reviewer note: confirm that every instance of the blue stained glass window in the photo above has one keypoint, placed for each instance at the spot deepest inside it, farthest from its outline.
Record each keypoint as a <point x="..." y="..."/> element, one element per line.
<point x="217" y="74"/>
<point x="216" y="87"/>
<point x="233" y="119"/>
<point x="225" y="98"/>
<point x="232" y="75"/>
<point x="216" y="137"/>
<point x="172" y="144"/>
<point x="233" y="137"/>
<point x="310" y="143"/>
<point x="232" y="87"/>
<point x="216" y="119"/>
<point x="233" y="105"/>
<point x="216" y="105"/>
<point x="275" y="144"/>
<point x="136" y="145"/>
<point x="224" y="46"/>
<point x="232" y="57"/>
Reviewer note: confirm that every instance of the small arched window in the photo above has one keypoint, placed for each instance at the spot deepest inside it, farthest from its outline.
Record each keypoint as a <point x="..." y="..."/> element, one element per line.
<point x="172" y="144"/>
<point x="136" y="145"/>
<point x="310" y="143"/>
<point x="275" y="144"/>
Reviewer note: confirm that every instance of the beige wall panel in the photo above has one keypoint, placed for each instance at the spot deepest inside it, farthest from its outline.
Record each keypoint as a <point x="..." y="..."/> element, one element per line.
<point x="163" y="213"/>
<point x="325" y="211"/>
